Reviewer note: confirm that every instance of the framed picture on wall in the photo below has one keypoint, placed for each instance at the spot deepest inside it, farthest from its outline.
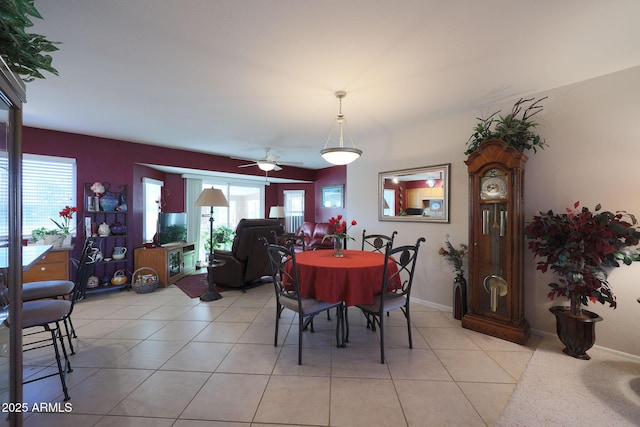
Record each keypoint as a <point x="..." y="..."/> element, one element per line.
<point x="332" y="197"/>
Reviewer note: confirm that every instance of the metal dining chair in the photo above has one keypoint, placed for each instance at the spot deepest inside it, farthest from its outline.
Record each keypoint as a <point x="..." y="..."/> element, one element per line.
<point x="395" y="289"/>
<point x="376" y="242"/>
<point x="286" y="239"/>
<point x="287" y="287"/>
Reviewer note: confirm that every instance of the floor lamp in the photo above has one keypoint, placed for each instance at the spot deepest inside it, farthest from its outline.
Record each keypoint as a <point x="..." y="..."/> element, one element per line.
<point x="211" y="197"/>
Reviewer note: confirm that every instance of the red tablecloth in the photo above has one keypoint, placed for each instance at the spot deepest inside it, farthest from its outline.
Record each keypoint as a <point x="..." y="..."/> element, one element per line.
<point x="355" y="278"/>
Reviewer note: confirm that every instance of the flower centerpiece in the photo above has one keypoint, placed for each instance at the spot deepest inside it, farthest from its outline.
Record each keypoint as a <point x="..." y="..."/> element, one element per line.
<point x="339" y="233"/>
<point x="455" y="256"/>
<point x="577" y="245"/>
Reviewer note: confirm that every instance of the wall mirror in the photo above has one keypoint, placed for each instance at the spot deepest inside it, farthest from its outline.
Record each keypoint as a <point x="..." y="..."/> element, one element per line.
<point x="418" y="194"/>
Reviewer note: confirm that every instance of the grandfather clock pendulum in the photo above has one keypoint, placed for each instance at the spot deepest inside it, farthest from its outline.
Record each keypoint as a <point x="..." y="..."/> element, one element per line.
<point x="496" y="242"/>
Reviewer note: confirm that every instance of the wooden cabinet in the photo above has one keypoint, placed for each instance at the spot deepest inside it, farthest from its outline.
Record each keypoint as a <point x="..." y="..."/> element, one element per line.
<point x="53" y="265"/>
<point x="416" y="197"/>
<point x="172" y="261"/>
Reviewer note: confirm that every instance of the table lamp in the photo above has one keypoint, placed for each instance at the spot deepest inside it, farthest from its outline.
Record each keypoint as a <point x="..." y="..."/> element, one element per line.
<point x="276" y="212"/>
<point x="211" y="197"/>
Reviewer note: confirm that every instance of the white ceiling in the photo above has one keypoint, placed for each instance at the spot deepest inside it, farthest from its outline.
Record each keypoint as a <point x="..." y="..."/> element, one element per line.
<point x="235" y="77"/>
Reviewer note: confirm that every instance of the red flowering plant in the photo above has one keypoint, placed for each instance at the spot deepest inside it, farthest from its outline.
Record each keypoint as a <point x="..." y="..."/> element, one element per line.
<point x="339" y="228"/>
<point x="64" y="225"/>
<point x="578" y="245"/>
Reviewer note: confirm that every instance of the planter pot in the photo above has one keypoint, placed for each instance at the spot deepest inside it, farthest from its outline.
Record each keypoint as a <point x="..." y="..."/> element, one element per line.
<point x="55" y="240"/>
<point x="459" y="296"/>
<point x="577" y="333"/>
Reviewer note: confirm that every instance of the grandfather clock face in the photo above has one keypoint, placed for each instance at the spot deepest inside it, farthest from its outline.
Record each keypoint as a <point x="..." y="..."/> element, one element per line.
<point x="492" y="242"/>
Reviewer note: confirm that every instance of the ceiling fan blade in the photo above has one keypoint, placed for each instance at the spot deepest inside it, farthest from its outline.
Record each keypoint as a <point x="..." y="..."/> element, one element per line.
<point x="249" y="165"/>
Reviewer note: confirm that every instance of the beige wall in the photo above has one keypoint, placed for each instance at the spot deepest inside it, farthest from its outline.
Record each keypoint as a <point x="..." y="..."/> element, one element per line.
<point x="593" y="132"/>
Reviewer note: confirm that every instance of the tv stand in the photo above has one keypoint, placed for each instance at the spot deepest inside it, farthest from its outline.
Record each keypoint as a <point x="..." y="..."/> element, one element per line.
<point x="172" y="261"/>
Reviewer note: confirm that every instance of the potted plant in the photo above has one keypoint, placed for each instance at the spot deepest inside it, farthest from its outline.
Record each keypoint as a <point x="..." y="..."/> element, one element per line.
<point x="515" y="129"/>
<point x="25" y="53"/>
<point x="339" y="233"/>
<point x="222" y="238"/>
<point x="456" y="257"/>
<point x="578" y="246"/>
<point x="44" y="235"/>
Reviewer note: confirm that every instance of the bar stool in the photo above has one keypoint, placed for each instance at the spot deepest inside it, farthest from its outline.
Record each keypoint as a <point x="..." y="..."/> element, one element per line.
<point x="48" y="313"/>
<point x="56" y="289"/>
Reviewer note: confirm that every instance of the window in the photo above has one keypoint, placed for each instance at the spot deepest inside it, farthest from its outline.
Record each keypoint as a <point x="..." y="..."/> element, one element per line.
<point x="245" y="201"/>
<point x="293" y="209"/>
<point x="48" y="185"/>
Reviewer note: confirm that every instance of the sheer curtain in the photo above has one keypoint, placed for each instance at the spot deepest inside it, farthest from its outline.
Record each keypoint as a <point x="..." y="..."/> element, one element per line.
<point x="193" y="190"/>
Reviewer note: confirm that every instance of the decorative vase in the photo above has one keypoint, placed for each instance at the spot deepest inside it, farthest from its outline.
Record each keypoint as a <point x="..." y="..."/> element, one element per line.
<point x="459" y="296"/>
<point x="118" y="228"/>
<point x="104" y="229"/>
<point x="337" y="248"/>
<point x="577" y="333"/>
<point x="123" y="202"/>
<point x="108" y="202"/>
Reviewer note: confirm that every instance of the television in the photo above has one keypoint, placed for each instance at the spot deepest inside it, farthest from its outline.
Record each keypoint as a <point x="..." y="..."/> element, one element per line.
<point x="172" y="227"/>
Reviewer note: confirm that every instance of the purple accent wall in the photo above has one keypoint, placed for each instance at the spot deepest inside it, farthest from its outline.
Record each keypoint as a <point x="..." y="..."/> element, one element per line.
<point x="329" y="177"/>
<point x="118" y="162"/>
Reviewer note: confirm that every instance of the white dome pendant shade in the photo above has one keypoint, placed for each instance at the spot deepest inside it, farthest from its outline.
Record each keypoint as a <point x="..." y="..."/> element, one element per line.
<point x="340" y="155"/>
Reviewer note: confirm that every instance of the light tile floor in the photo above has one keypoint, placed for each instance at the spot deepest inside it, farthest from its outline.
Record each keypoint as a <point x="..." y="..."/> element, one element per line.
<point x="164" y="359"/>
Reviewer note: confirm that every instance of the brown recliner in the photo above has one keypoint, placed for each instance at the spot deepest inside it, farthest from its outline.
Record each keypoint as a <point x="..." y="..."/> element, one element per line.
<point x="247" y="262"/>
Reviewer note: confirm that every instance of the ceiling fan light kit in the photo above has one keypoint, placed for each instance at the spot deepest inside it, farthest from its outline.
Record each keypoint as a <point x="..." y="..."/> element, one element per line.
<point x="340" y="155"/>
<point x="266" y="165"/>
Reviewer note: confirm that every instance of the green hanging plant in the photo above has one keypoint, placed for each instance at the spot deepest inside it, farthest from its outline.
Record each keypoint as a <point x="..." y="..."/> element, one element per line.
<point x="25" y="53"/>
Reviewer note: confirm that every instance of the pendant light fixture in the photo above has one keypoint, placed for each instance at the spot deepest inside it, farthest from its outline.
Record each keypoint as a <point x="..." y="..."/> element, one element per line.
<point x="340" y="155"/>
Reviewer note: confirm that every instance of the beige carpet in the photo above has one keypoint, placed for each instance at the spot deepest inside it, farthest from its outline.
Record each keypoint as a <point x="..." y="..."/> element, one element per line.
<point x="558" y="390"/>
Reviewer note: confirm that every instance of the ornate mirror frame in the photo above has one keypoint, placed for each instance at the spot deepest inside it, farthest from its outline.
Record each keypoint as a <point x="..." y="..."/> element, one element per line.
<point x="418" y="194"/>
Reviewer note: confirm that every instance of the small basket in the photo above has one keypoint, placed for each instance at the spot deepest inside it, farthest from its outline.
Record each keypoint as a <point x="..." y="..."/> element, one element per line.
<point x="144" y="280"/>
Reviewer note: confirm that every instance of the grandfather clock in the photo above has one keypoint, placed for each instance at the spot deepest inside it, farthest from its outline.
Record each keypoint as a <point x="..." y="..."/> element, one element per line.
<point x="496" y="242"/>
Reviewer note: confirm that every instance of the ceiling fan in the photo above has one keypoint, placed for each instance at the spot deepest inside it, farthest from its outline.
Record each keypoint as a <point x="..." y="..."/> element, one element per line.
<point x="268" y="162"/>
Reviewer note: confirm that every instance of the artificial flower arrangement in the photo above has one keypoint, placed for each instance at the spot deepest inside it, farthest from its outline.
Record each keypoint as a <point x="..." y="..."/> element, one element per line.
<point x="339" y="228"/>
<point x="64" y="226"/>
<point x="98" y="189"/>
<point x="455" y="256"/>
<point x="577" y="245"/>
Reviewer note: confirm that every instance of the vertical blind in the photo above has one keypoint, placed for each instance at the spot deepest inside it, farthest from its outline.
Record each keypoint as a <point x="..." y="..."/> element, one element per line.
<point x="48" y="185"/>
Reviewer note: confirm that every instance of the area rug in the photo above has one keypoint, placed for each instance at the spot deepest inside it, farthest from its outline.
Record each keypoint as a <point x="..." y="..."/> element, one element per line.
<point x="558" y="390"/>
<point x="195" y="285"/>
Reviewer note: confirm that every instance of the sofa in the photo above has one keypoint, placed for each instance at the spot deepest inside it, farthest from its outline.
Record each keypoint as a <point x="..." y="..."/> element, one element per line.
<point x="313" y="234"/>
<point x="247" y="262"/>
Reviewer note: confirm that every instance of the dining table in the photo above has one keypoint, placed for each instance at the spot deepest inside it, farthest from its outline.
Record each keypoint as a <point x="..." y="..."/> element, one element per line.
<point x="355" y="278"/>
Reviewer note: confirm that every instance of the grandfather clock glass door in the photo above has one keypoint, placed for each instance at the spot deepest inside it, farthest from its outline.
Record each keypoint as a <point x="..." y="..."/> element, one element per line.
<point x="492" y="249"/>
<point x="496" y="173"/>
